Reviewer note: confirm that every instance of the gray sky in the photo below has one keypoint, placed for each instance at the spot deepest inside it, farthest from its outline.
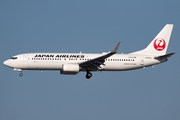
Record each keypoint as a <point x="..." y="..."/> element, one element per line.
<point x="91" y="27"/>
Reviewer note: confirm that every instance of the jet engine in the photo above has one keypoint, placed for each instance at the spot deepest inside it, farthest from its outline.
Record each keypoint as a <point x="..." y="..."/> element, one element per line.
<point x="70" y="69"/>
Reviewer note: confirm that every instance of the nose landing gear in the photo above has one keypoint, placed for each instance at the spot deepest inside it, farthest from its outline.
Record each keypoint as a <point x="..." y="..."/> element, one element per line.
<point x="21" y="74"/>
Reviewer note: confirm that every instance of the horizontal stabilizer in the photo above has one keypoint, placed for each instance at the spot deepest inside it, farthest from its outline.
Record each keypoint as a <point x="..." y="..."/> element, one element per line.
<point x="164" y="56"/>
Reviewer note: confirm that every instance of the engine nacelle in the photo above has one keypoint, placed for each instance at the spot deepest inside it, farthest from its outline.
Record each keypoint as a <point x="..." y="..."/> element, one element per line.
<point x="70" y="69"/>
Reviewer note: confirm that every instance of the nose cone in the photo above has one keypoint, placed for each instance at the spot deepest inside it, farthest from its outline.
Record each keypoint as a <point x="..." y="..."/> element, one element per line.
<point x="7" y="63"/>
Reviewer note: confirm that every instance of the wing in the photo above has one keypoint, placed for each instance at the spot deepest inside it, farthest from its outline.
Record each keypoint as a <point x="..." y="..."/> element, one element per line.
<point x="94" y="64"/>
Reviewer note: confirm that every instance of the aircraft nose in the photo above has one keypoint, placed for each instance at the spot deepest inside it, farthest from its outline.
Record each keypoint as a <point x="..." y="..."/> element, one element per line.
<point x="7" y="63"/>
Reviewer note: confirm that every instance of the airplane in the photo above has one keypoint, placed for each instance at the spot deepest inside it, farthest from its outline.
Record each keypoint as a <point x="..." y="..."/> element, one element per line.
<point x="73" y="63"/>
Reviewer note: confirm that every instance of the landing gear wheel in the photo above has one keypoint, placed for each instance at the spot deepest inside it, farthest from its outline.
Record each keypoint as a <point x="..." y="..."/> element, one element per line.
<point x="21" y="74"/>
<point x="88" y="75"/>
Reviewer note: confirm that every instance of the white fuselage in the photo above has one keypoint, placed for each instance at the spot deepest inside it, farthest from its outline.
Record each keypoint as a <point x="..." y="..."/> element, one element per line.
<point x="54" y="61"/>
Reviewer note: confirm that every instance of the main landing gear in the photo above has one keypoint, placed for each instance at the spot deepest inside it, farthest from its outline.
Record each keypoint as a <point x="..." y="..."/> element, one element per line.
<point x="88" y="75"/>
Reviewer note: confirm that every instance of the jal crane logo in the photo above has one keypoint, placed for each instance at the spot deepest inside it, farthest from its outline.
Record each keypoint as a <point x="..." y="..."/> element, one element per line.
<point x="159" y="44"/>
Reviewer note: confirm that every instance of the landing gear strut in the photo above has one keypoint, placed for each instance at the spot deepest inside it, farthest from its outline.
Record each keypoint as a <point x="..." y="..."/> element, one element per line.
<point x="88" y="75"/>
<point x="21" y="74"/>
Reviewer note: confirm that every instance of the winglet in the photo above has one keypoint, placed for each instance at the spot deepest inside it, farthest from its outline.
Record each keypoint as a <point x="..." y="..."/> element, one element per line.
<point x="116" y="48"/>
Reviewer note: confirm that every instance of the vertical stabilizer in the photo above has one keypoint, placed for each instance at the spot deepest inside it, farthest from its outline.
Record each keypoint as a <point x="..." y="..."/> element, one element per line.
<point x="159" y="44"/>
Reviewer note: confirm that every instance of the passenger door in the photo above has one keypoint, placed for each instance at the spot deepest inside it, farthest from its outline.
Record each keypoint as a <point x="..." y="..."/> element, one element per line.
<point x="141" y="60"/>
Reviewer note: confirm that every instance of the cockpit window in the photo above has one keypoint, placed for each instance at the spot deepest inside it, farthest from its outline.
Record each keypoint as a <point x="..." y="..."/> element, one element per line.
<point x="13" y="58"/>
